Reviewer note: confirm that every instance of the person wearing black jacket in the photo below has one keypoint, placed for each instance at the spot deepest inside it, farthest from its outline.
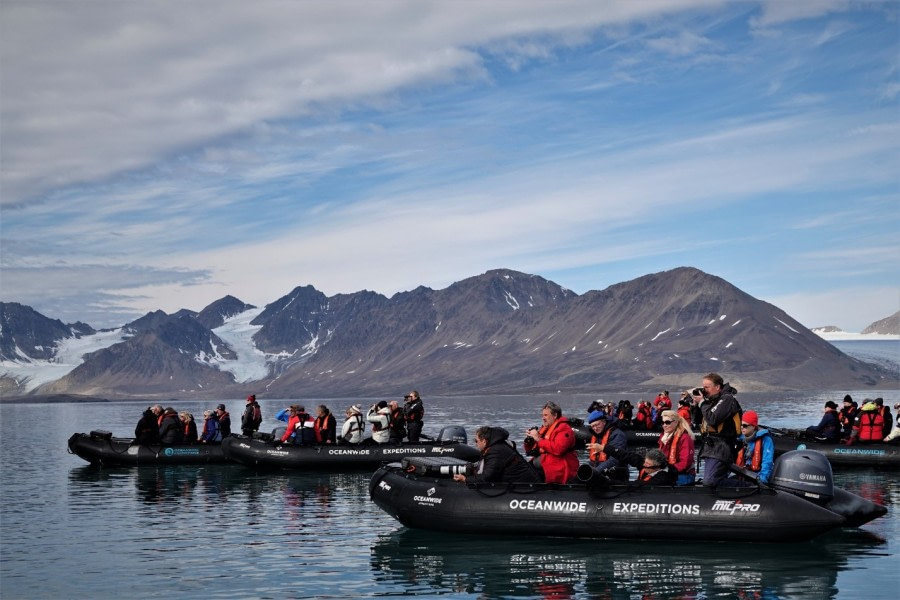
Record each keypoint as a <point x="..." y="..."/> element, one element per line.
<point x="720" y="428"/>
<point x="500" y="461"/>
<point x="252" y="417"/>
<point x="147" y="430"/>
<point x="171" y="430"/>
<point x="413" y="414"/>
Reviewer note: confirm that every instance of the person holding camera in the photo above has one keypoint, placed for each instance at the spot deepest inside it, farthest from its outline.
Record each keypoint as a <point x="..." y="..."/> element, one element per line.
<point x="720" y="427"/>
<point x="379" y="416"/>
<point x="413" y="413"/>
<point x="500" y="461"/>
<point x="554" y="444"/>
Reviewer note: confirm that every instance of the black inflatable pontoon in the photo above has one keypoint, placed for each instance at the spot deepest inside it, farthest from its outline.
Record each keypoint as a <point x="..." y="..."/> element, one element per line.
<point x="101" y="448"/>
<point x="881" y="455"/>
<point x="805" y="507"/>
<point x="263" y="453"/>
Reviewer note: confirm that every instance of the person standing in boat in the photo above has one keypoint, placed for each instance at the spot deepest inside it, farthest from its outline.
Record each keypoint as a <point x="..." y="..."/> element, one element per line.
<point x="606" y="437"/>
<point x="224" y="421"/>
<point x="720" y="428"/>
<point x="885" y="413"/>
<point x="500" y="461"/>
<point x="324" y="426"/>
<point x="353" y="430"/>
<point x="829" y="427"/>
<point x="847" y="416"/>
<point x="171" y="429"/>
<point x="252" y="417"/>
<point x="677" y="445"/>
<point x="147" y="429"/>
<point x="398" y="423"/>
<point x="379" y="416"/>
<point x="757" y="451"/>
<point x="554" y="444"/>
<point x="210" y="432"/>
<point x="414" y="414"/>
<point x="190" y="427"/>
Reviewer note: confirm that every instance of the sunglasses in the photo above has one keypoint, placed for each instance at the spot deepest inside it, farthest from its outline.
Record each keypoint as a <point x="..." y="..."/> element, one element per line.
<point x="668" y="422"/>
<point x="743" y="425"/>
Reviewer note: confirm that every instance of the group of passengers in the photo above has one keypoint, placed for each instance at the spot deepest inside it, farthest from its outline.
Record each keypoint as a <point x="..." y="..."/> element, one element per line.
<point x="648" y="415"/>
<point x="160" y="425"/>
<point x="870" y="423"/>
<point x="390" y="422"/>
<point x="730" y="440"/>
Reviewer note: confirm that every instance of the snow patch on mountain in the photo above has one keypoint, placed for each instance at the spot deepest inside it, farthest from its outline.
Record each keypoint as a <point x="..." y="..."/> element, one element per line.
<point x="69" y="354"/>
<point x="251" y="363"/>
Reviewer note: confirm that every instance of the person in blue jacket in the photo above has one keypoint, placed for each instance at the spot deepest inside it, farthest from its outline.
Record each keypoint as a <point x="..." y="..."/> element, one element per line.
<point x="758" y="451"/>
<point x="829" y="428"/>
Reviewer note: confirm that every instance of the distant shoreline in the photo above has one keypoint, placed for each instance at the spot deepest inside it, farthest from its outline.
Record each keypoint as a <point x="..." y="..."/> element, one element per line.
<point x="846" y="336"/>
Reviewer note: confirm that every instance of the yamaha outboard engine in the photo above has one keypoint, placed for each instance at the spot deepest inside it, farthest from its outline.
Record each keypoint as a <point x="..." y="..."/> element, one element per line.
<point x="453" y="433"/>
<point x="805" y="473"/>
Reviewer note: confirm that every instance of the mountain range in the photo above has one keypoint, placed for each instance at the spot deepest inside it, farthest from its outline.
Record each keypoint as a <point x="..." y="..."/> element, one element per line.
<point x="499" y="332"/>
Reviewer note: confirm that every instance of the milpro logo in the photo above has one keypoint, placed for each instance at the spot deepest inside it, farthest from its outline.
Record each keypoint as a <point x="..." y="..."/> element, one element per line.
<point x="385" y="486"/>
<point x="732" y="506"/>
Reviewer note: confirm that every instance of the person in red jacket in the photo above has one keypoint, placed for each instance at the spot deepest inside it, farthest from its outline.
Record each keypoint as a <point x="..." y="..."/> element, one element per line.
<point x="677" y="444"/>
<point x="555" y="444"/>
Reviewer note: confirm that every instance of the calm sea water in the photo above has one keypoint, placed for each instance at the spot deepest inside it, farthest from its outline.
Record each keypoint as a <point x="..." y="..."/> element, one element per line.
<point x="68" y="530"/>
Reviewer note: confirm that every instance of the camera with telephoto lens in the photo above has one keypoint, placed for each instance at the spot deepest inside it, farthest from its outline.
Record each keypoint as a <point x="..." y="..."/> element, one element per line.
<point x="468" y="469"/>
<point x="697" y="392"/>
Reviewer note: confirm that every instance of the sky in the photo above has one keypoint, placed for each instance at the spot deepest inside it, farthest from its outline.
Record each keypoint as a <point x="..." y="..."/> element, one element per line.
<point x="161" y="155"/>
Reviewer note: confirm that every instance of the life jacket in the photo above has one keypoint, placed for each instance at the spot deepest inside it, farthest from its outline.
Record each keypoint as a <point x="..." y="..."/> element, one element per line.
<point x="673" y="449"/>
<point x="377" y="426"/>
<point x="545" y="433"/>
<point x="397" y="418"/>
<point x="643" y="475"/>
<point x="755" y="460"/>
<point x="728" y="427"/>
<point x="256" y="415"/>
<point x="320" y="427"/>
<point x="645" y="416"/>
<point x="596" y="456"/>
<point x="871" y="426"/>
<point x="846" y="416"/>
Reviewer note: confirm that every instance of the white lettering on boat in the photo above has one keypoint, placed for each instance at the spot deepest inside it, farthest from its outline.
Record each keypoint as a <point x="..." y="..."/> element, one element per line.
<point x="732" y="506"/>
<point x="427" y="500"/>
<point x="404" y="451"/>
<point x="551" y="505"/>
<point x="813" y="477"/>
<point x="655" y="509"/>
<point x="873" y="452"/>
<point x="349" y="451"/>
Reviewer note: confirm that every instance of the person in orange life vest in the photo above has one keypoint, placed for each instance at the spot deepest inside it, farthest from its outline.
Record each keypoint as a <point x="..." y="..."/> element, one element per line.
<point x="210" y="428"/>
<point x="758" y="451"/>
<point x="296" y="420"/>
<point x="398" y="423"/>
<point x="829" y="428"/>
<point x="224" y="421"/>
<point x="414" y="413"/>
<point x="885" y="414"/>
<point x="190" y="427"/>
<point x="677" y="444"/>
<point x="624" y="413"/>
<point x="325" y="427"/>
<point x="847" y="415"/>
<point x="644" y="417"/>
<point x="869" y="424"/>
<point x="379" y="416"/>
<point x="555" y="444"/>
<point x="606" y="436"/>
<point x="653" y="469"/>
<point x="252" y="417"/>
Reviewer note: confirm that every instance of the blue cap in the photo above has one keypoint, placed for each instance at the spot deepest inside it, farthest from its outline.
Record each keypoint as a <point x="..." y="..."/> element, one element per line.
<point x="596" y="416"/>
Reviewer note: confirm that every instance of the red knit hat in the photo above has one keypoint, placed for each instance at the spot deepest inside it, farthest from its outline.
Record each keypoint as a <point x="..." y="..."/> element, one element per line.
<point x="750" y="418"/>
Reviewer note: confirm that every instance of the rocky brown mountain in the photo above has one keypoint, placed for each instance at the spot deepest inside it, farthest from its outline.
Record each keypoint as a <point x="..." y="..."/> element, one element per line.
<point x="499" y="332"/>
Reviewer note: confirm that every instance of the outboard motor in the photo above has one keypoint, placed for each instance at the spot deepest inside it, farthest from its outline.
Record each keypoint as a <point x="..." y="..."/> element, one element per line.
<point x="805" y="473"/>
<point x="453" y="433"/>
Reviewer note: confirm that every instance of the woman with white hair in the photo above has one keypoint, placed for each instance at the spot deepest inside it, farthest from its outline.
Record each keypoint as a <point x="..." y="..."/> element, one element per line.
<point x="354" y="428"/>
<point x="677" y="444"/>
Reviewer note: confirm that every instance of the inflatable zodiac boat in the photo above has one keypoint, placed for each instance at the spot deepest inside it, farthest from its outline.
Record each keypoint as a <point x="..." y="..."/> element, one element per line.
<point x="101" y="448"/>
<point x="803" y="503"/>
<point x="878" y="454"/>
<point x="265" y="453"/>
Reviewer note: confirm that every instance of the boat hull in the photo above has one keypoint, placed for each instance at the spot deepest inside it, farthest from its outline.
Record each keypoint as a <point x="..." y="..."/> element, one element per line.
<point x="111" y="451"/>
<point x="617" y="511"/>
<point x="266" y="454"/>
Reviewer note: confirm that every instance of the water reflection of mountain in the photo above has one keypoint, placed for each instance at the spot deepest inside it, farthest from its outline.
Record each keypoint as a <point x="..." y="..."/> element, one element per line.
<point x="564" y="568"/>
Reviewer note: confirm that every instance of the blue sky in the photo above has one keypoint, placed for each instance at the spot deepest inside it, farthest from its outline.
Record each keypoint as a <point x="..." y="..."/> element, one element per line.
<point x="161" y="155"/>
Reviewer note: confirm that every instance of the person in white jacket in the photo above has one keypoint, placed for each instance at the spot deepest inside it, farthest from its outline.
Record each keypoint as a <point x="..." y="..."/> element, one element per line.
<point x="895" y="432"/>
<point x="380" y="418"/>
<point x="354" y="427"/>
